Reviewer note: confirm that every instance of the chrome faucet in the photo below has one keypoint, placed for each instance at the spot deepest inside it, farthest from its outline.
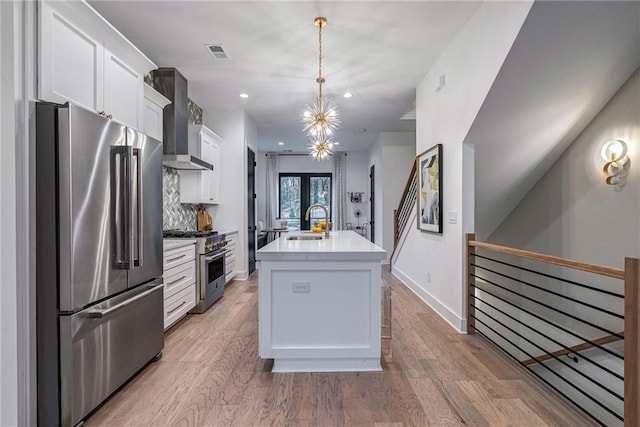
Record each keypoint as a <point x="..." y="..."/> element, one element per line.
<point x="326" y="217"/>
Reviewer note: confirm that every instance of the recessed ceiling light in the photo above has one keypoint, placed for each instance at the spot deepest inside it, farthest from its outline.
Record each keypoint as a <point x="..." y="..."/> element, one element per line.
<point x="280" y="143"/>
<point x="336" y="143"/>
<point x="347" y="95"/>
<point x="244" y="95"/>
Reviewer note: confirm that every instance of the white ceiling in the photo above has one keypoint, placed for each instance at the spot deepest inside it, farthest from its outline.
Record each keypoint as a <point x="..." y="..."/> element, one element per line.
<point x="377" y="50"/>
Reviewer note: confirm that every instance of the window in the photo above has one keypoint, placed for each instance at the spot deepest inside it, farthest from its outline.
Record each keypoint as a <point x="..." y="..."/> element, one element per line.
<point x="298" y="191"/>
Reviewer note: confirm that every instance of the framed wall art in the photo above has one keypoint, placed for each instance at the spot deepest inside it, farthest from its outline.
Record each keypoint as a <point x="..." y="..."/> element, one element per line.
<point x="429" y="169"/>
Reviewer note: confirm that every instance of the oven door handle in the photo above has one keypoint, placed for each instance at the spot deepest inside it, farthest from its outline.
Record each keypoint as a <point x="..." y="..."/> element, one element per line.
<point x="216" y="256"/>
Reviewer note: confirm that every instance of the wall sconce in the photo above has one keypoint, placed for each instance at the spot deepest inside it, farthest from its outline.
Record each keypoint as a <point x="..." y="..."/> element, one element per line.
<point x="614" y="152"/>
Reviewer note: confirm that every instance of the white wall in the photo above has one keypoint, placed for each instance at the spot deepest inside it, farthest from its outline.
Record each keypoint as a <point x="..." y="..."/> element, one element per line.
<point x="571" y="212"/>
<point x="398" y="152"/>
<point x="358" y="182"/>
<point x="470" y="64"/>
<point x="238" y="133"/>
<point x="392" y="154"/>
<point x="17" y="172"/>
<point x="8" y="296"/>
<point x="304" y="163"/>
<point x="375" y="158"/>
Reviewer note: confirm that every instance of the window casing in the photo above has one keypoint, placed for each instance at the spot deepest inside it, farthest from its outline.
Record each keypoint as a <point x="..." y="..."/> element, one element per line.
<point x="297" y="192"/>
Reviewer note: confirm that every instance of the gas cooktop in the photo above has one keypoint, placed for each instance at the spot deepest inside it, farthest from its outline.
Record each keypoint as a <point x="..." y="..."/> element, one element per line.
<point x="187" y="233"/>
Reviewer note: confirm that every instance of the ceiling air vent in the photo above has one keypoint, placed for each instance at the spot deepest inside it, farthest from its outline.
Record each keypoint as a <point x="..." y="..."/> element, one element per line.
<point x="217" y="51"/>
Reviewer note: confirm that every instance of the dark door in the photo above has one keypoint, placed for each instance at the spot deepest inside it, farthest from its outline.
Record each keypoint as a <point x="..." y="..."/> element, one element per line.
<point x="251" y="209"/>
<point x="297" y="192"/>
<point x="372" y="203"/>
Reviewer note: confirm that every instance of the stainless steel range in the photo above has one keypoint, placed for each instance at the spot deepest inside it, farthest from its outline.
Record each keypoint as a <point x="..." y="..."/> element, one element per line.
<point x="210" y="268"/>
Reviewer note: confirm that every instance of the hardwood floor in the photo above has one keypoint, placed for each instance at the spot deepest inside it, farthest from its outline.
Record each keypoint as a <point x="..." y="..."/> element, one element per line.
<point x="211" y="375"/>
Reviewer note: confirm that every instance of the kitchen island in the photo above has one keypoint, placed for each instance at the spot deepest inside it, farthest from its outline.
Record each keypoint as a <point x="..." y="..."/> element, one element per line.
<point x="319" y="302"/>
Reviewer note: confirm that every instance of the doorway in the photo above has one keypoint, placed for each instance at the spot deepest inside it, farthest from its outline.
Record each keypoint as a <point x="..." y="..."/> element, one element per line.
<point x="297" y="192"/>
<point x="251" y="209"/>
<point x="372" y="202"/>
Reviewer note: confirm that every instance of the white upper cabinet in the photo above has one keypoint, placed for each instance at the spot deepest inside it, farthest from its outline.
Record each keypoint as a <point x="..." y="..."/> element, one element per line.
<point x="154" y="103"/>
<point x="123" y="91"/>
<point x="71" y="62"/>
<point x="86" y="61"/>
<point x="202" y="186"/>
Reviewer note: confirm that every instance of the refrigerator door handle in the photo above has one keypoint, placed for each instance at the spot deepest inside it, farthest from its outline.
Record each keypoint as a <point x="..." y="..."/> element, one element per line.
<point x="121" y="207"/>
<point x="137" y="208"/>
<point x="97" y="314"/>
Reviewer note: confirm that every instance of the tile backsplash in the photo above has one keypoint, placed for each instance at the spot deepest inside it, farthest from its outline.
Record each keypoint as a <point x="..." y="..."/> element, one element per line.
<point x="175" y="215"/>
<point x="195" y="113"/>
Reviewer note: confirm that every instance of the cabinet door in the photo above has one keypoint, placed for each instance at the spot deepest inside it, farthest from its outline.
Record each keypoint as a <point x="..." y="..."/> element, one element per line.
<point x="202" y="186"/>
<point x="123" y="91"/>
<point x="208" y="151"/>
<point x="71" y="62"/>
<point x="152" y="119"/>
<point x="214" y="183"/>
<point x="154" y="104"/>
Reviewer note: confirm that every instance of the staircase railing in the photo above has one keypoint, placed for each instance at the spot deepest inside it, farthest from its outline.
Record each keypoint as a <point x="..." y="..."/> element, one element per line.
<point x="402" y="213"/>
<point x="561" y="319"/>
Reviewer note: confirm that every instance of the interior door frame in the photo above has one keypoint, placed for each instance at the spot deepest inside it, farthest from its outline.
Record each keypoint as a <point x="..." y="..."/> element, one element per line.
<point x="251" y="211"/>
<point x="372" y="203"/>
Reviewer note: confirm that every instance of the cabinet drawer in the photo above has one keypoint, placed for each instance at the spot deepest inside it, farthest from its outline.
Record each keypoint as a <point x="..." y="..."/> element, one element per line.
<point x="174" y="257"/>
<point x="179" y="277"/>
<point x="230" y="261"/>
<point x="178" y="305"/>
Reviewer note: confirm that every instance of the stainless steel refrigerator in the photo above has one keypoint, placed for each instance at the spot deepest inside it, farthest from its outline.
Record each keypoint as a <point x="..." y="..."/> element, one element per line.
<point x="99" y="293"/>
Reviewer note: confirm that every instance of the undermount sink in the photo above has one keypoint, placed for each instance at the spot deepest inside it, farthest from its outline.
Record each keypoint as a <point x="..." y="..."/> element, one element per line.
<point x="304" y="237"/>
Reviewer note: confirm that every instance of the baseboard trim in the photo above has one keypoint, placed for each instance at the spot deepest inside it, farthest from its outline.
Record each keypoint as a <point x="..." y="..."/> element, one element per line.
<point x="456" y="322"/>
<point x="241" y="275"/>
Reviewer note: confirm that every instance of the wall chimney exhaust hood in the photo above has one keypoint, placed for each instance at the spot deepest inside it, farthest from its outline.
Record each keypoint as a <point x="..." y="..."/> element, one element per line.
<point x="173" y="85"/>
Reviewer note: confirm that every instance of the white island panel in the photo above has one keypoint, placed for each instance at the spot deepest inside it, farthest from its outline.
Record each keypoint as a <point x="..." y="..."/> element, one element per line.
<point x="320" y="304"/>
<point x="315" y="319"/>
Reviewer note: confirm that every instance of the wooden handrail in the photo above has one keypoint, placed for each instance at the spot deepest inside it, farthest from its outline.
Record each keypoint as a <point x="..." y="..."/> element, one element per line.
<point x="550" y="259"/>
<point x="574" y="349"/>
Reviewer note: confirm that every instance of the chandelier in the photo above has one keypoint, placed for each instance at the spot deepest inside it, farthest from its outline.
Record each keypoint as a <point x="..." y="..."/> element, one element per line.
<point x="320" y="119"/>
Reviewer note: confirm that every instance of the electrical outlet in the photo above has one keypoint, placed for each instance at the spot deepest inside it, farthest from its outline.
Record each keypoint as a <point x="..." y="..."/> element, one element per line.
<point x="301" y="287"/>
<point x="428" y="277"/>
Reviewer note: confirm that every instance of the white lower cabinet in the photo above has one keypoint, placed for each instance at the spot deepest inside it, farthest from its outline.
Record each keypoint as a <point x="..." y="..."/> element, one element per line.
<point x="179" y="279"/>
<point x="178" y="305"/>
<point x="231" y="264"/>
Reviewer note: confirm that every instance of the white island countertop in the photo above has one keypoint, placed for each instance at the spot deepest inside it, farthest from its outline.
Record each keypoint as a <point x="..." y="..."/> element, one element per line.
<point x="342" y="245"/>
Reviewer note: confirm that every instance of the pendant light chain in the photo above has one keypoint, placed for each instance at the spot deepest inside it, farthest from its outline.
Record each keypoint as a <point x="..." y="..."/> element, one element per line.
<point x="320" y="118"/>
<point x="320" y="78"/>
